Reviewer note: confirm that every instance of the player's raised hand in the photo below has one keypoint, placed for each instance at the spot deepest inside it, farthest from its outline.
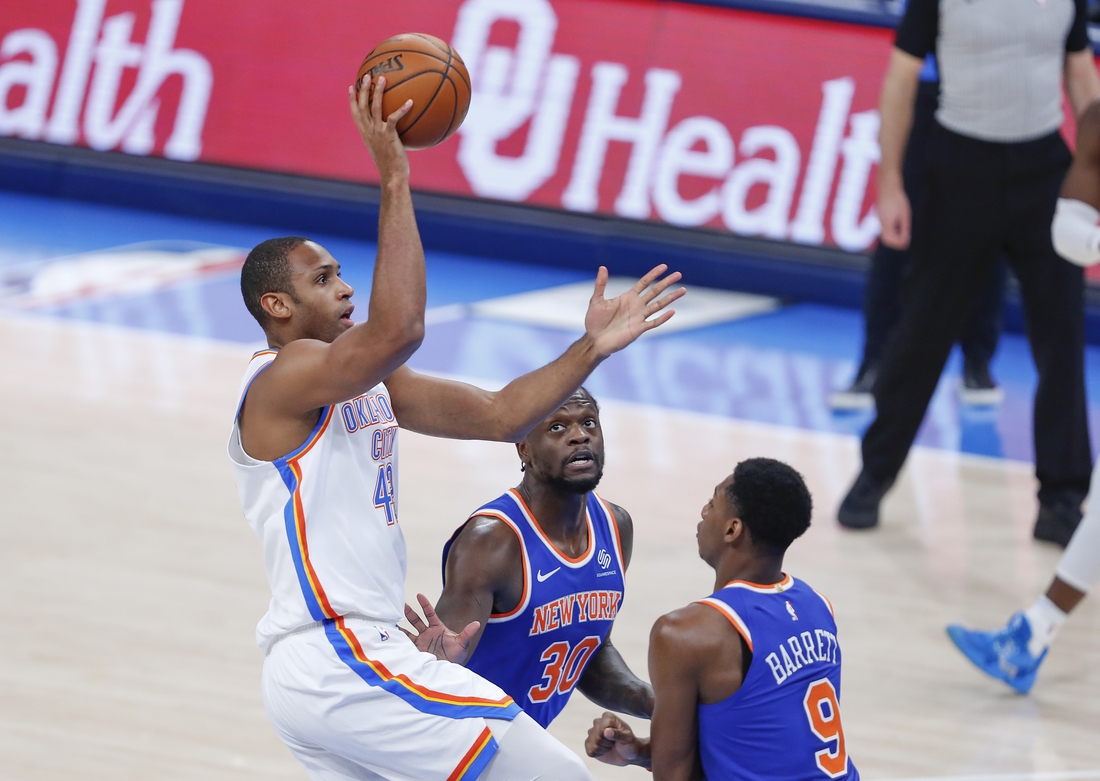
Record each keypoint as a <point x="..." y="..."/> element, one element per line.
<point x="611" y="740"/>
<point x="436" y="639"/>
<point x="614" y="323"/>
<point x="379" y="133"/>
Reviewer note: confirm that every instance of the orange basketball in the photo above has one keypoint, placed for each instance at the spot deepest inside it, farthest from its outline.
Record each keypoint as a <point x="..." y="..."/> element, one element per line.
<point x="427" y="70"/>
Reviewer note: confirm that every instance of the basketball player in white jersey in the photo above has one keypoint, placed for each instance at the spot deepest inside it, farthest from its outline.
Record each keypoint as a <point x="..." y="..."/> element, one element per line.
<point x="314" y="450"/>
<point x="1014" y="652"/>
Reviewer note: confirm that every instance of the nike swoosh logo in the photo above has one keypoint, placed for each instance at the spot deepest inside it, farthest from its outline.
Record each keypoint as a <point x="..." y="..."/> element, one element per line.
<point x="542" y="577"/>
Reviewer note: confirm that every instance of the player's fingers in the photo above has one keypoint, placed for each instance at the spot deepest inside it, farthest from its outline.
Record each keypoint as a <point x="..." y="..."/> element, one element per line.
<point x="661" y="285"/>
<point x="649" y="325"/>
<point x="665" y="300"/>
<point x="379" y="88"/>
<point x="468" y="633"/>
<point x="647" y="280"/>
<point x="601" y="284"/>
<point x="428" y="608"/>
<point x="393" y="118"/>
<point x="414" y="619"/>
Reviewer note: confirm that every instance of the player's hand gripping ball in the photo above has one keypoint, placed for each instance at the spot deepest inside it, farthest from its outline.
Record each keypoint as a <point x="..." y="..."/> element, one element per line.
<point x="428" y="71"/>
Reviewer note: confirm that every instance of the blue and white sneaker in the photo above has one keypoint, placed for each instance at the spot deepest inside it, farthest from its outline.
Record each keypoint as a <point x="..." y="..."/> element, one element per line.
<point x="1001" y="653"/>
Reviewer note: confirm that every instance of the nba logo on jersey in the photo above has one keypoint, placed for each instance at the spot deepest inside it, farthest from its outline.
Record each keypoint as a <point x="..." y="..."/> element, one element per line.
<point x="790" y="609"/>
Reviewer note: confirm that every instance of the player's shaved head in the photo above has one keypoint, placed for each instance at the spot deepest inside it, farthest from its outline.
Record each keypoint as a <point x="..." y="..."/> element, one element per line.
<point x="772" y="500"/>
<point x="267" y="270"/>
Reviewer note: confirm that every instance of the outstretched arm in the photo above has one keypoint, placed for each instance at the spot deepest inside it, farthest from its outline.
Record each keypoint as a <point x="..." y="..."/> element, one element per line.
<point x="452" y="409"/>
<point x="309" y="373"/>
<point x="483" y="568"/>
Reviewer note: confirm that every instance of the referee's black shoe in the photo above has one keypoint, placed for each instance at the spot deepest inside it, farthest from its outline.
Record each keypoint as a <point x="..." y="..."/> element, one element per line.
<point x="1057" y="522"/>
<point x="859" y="510"/>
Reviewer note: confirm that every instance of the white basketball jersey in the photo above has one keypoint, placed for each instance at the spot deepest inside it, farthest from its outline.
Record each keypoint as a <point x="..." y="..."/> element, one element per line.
<point x="326" y="514"/>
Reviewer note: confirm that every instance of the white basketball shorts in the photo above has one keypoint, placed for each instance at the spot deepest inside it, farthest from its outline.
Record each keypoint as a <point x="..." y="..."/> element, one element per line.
<point x="355" y="699"/>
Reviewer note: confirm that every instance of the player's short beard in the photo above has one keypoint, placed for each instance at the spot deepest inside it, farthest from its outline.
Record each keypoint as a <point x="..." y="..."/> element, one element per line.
<point x="578" y="485"/>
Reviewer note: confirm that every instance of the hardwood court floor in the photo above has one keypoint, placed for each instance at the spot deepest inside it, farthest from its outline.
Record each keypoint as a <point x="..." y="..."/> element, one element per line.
<point x="131" y="583"/>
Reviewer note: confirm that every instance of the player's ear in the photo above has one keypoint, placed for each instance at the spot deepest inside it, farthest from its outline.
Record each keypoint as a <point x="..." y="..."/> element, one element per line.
<point x="523" y="452"/>
<point x="735" y="530"/>
<point x="277" y="306"/>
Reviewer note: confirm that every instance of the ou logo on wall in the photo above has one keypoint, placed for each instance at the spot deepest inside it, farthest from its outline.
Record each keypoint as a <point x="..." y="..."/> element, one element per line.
<point x="512" y="87"/>
<point x="768" y="183"/>
<point x="99" y="53"/>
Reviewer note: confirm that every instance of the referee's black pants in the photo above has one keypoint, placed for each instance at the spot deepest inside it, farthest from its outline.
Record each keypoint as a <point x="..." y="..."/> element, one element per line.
<point x="983" y="199"/>
<point x="889" y="267"/>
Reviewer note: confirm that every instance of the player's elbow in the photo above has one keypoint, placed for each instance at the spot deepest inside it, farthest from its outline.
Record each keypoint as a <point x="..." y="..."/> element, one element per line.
<point x="407" y="336"/>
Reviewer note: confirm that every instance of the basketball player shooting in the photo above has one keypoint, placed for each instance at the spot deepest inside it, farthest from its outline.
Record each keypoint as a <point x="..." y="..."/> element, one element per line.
<point x="747" y="680"/>
<point x="540" y="571"/>
<point x="314" y="450"/>
<point x="1014" y="652"/>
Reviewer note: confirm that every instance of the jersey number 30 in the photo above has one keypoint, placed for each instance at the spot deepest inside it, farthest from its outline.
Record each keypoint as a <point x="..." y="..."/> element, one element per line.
<point x="563" y="668"/>
<point x="823" y="711"/>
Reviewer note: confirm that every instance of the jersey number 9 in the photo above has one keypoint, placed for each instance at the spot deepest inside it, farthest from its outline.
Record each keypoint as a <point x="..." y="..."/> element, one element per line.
<point x="823" y="711"/>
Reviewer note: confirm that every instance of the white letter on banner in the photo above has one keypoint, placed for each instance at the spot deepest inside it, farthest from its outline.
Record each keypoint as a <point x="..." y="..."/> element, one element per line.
<point x="63" y="127"/>
<point x="29" y="118"/>
<point x="678" y="158"/>
<point x="860" y="150"/>
<point x="809" y="223"/>
<point x="779" y="175"/>
<point x="601" y="126"/>
<point x="511" y="88"/>
<point x="133" y="124"/>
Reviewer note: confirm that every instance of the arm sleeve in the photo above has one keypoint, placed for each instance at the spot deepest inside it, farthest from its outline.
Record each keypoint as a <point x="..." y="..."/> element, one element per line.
<point x="1078" y="37"/>
<point x="920" y="26"/>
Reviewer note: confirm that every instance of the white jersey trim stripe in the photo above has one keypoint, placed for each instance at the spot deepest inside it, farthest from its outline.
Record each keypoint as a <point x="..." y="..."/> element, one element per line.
<point x="614" y="528"/>
<point x="499" y="618"/>
<point x="550" y="546"/>
<point x="824" y="599"/>
<point x="731" y="615"/>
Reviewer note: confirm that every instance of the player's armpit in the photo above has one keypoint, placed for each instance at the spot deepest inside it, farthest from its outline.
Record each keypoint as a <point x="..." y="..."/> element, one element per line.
<point x="611" y="684"/>
<point x="483" y="570"/>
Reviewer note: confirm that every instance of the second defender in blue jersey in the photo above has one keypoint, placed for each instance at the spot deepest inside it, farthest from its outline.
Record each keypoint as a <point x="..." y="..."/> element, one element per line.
<point x="747" y="680"/>
<point x="541" y="568"/>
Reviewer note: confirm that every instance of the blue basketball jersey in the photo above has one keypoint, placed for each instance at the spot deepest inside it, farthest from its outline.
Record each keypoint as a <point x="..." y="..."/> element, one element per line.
<point x="538" y="651"/>
<point x="783" y="724"/>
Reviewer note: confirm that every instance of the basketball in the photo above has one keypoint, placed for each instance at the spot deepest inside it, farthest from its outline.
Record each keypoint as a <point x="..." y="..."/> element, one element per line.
<point x="426" y="70"/>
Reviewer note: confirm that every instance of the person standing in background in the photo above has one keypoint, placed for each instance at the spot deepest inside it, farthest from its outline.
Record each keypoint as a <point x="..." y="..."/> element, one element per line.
<point x="883" y="295"/>
<point x="996" y="161"/>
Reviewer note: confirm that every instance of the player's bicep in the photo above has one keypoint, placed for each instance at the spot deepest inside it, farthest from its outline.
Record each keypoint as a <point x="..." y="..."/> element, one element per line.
<point x="309" y="374"/>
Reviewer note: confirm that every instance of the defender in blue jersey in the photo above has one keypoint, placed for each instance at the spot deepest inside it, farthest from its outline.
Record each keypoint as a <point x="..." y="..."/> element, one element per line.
<point x="541" y="568"/>
<point x="747" y="680"/>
